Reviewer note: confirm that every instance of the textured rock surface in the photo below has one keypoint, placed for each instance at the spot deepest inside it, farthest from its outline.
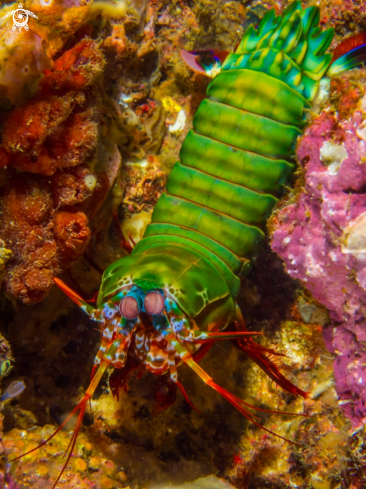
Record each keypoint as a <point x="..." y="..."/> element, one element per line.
<point x="320" y="234"/>
<point x="56" y="135"/>
<point x="210" y="482"/>
<point x="26" y="54"/>
<point x="6" y="359"/>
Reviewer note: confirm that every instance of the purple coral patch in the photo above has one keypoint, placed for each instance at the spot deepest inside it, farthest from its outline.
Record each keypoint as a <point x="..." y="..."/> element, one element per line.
<point x="309" y="235"/>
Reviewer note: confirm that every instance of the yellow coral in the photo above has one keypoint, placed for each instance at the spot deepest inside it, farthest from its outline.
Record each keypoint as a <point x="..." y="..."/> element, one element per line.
<point x="113" y="10"/>
<point x="5" y="255"/>
<point x="136" y="225"/>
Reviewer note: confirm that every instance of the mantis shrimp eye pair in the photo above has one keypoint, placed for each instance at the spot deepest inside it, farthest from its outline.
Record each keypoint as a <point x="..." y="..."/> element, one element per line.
<point x="153" y="304"/>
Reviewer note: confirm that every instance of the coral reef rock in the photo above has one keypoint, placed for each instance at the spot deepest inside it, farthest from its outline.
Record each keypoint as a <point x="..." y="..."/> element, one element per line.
<point x="6" y="359"/>
<point x="320" y="232"/>
<point x="26" y="53"/>
<point x="55" y="135"/>
<point x="210" y="482"/>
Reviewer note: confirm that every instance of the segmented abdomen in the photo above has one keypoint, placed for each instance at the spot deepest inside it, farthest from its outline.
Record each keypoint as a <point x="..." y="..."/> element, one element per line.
<point x="232" y="164"/>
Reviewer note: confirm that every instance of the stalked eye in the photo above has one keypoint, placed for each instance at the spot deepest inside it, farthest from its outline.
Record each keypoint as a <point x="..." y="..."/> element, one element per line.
<point x="129" y="307"/>
<point x="154" y="303"/>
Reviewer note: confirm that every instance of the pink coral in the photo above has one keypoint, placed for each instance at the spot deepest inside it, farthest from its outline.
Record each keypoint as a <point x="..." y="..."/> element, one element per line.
<point x="310" y="236"/>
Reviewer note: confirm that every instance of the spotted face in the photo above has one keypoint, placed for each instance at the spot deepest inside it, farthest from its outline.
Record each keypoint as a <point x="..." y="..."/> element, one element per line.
<point x="140" y="320"/>
<point x="156" y="298"/>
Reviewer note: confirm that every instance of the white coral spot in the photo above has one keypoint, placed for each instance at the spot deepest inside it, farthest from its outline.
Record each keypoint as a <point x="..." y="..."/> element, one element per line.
<point x="313" y="269"/>
<point x="361" y="131"/>
<point x="333" y="155"/>
<point x="125" y="99"/>
<point x="179" y="124"/>
<point x="90" y="182"/>
<point x="354" y="236"/>
<point x="333" y="255"/>
<point x="321" y="97"/>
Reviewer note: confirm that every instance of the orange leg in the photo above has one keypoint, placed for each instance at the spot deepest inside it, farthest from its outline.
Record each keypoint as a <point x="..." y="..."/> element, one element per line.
<point x="81" y="407"/>
<point x="239" y="404"/>
<point x="183" y="391"/>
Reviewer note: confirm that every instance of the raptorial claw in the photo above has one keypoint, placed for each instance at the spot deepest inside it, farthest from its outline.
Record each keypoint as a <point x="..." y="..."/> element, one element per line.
<point x="204" y="336"/>
<point x="239" y="404"/>
<point x="74" y="296"/>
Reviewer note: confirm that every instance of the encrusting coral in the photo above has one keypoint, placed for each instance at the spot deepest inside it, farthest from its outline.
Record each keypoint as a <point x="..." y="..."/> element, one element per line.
<point x="5" y="256"/>
<point x="320" y="232"/>
<point x="26" y="54"/>
<point x="26" y="226"/>
<point x="56" y="131"/>
<point x="6" y="360"/>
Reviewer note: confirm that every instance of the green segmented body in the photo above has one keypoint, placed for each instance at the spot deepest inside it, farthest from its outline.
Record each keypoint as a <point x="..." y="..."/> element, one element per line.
<point x="236" y="159"/>
<point x="233" y="165"/>
<point x="179" y="285"/>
